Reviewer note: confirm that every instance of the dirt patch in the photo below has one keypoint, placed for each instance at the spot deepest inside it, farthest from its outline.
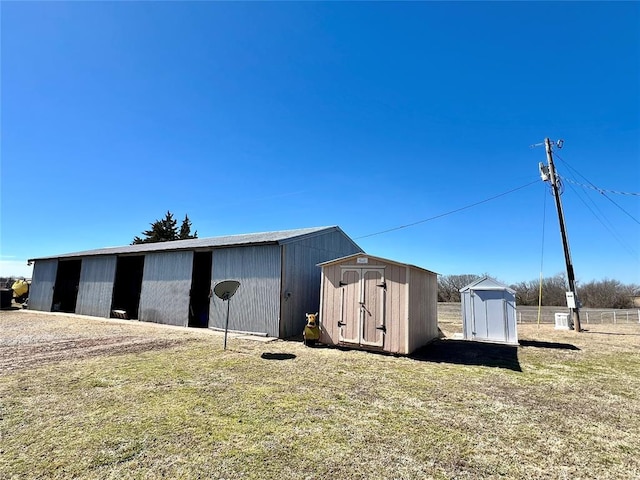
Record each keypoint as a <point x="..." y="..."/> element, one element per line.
<point x="15" y="358"/>
<point x="30" y="339"/>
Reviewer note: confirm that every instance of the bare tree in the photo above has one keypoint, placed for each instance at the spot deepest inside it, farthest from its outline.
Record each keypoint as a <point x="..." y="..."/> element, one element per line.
<point x="527" y="293"/>
<point x="449" y="286"/>
<point x="607" y="294"/>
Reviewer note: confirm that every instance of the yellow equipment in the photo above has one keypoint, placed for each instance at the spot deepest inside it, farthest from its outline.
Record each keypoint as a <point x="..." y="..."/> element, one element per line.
<point x="20" y="290"/>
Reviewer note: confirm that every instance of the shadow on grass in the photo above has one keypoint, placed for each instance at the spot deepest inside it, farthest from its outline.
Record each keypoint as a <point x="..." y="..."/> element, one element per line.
<point x="463" y="352"/>
<point x="555" y="345"/>
<point x="277" y="356"/>
<point x="611" y="333"/>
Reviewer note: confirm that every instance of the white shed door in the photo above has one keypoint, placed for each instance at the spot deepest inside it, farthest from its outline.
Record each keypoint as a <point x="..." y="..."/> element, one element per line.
<point x="362" y="318"/>
<point x="489" y="316"/>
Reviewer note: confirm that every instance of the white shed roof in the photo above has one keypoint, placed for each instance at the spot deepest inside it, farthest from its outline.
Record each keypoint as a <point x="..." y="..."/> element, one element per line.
<point x="486" y="283"/>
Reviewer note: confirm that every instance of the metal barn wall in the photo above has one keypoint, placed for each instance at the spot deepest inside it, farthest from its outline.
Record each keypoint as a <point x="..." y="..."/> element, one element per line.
<point x="96" y="286"/>
<point x="256" y="305"/>
<point x="423" y="308"/>
<point x="42" y="283"/>
<point x="166" y="282"/>
<point x="301" y="278"/>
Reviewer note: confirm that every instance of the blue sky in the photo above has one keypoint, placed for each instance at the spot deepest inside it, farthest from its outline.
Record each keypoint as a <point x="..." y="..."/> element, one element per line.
<point x="253" y="117"/>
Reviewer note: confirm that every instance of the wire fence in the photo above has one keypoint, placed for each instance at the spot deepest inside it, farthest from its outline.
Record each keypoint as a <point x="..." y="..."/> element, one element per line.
<point x="452" y="313"/>
<point x="587" y="315"/>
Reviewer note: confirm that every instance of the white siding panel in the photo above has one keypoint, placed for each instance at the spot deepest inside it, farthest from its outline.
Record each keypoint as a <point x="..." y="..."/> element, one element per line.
<point x="96" y="286"/>
<point x="256" y="305"/>
<point x="165" y="288"/>
<point x="42" y="283"/>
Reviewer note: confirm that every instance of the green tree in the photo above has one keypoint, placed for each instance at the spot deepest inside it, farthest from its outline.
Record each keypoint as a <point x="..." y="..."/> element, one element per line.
<point x="185" y="230"/>
<point x="165" y="230"/>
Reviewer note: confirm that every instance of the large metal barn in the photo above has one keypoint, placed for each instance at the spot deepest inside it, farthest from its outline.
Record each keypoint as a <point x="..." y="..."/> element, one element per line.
<point x="171" y="282"/>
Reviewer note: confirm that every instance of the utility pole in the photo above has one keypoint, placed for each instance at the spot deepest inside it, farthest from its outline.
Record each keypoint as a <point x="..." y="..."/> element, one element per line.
<point x="551" y="175"/>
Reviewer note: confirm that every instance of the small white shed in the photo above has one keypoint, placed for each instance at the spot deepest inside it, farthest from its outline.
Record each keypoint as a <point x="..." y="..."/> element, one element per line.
<point x="489" y="312"/>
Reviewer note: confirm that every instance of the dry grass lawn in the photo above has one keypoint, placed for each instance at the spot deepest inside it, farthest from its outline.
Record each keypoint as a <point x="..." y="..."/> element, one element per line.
<point x="98" y="399"/>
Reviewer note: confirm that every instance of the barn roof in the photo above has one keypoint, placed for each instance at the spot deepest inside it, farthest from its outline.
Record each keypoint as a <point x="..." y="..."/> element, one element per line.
<point x="386" y="260"/>
<point x="248" y="239"/>
<point x="486" y="283"/>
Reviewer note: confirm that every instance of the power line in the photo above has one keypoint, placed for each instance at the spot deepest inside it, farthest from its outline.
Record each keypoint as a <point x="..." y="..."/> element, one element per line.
<point x="601" y="191"/>
<point x="602" y="220"/>
<point x="448" y="213"/>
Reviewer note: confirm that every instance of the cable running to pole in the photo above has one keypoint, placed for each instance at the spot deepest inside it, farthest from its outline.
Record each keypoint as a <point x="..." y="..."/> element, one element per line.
<point x="447" y="213"/>
<point x="544" y="216"/>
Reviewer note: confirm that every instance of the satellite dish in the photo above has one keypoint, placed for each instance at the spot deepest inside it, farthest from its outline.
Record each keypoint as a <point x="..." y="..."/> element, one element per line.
<point x="224" y="291"/>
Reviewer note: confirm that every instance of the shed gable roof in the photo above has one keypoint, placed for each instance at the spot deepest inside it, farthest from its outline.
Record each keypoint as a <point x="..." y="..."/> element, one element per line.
<point x="486" y="283"/>
<point x="386" y="260"/>
<point x="278" y="237"/>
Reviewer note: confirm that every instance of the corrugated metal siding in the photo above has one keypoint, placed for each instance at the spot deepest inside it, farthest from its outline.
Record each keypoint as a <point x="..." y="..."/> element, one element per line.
<point x="256" y="305"/>
<point x="302" y="276"/>
<point x="165" y="288"/>
<point x="42" y="283"/>
<point x="96" y="286"/>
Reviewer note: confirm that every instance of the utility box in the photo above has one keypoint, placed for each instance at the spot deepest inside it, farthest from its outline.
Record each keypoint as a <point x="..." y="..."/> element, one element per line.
<point x="489" y="312"/>
<point x="563" y="321"/>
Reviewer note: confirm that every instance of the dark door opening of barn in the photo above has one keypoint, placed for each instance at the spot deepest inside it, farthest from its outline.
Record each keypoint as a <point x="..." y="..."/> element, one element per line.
<point x="128" y="285"/>
<point x="65" y="291"/>
<point x="362" y="312"/>
<point x="200" y="294"/>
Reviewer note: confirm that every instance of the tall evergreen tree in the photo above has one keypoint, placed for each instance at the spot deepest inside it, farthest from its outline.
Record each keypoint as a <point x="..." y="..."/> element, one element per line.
<point x="165" y="230"/>
<point x="185" y="230"/>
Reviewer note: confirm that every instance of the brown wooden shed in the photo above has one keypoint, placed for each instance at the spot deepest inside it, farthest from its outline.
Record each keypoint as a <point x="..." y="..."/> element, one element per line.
<point x="378" y="304"/>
